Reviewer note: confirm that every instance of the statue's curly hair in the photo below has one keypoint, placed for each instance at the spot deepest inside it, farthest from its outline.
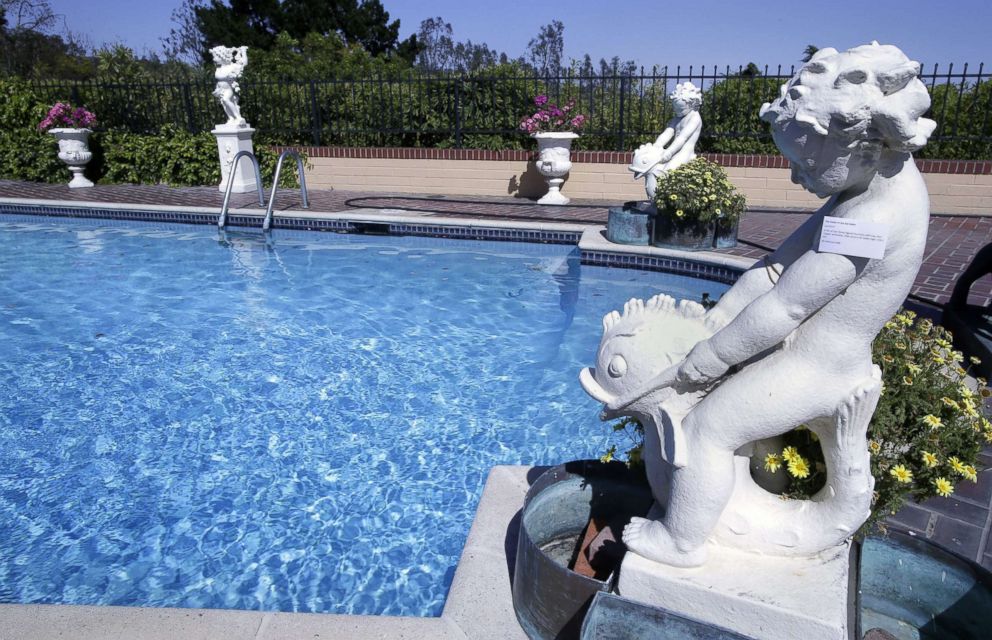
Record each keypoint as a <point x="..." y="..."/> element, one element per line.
<point x="869" y="95"/>
<point x="689" y="94"/>
<point x="222" y="54"/>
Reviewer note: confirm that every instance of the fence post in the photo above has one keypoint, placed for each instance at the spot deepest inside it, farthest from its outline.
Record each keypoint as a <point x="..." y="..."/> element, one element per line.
<point x="314" y="114"/>
<point x="74" y="94"/>
<point x="190" y="113"/>
<point x="458" y="113"/>
<point x="620" y="114"/>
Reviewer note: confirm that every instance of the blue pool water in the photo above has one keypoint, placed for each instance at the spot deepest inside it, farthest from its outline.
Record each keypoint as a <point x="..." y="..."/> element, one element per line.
<point x="302" y="427"/>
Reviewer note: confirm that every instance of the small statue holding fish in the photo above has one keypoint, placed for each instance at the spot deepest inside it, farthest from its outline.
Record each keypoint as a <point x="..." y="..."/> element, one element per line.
<point x="676" y="145"/>
<point x="790" y="343"/>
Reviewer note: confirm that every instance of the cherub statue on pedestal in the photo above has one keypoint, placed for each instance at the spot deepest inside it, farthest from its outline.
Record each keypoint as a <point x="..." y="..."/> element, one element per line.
<point x="231" y="63"/>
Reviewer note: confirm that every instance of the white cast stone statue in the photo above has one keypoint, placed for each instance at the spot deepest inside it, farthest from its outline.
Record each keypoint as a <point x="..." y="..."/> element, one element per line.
<point x="231" y="63"/>
<point x="790" y="343"/>
<point x="676" y="145"/>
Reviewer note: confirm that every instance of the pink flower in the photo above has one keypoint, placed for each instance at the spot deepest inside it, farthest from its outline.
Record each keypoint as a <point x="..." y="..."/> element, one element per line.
<point x="63" y="115"/>
<point x="551" y="117"/>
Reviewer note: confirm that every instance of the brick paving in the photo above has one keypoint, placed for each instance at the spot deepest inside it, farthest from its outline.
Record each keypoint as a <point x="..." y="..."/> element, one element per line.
<point x="960" y="523"/>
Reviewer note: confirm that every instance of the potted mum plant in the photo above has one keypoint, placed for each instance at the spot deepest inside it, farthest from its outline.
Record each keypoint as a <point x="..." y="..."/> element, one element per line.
<point x="554" y="127"/>
<point x="924" y="438"/>
<point x="698" y="208"/>
<point x="71" y="128"/>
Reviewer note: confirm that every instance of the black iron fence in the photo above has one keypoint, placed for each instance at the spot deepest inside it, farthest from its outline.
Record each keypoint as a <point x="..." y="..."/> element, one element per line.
<point x="483" y="111"/>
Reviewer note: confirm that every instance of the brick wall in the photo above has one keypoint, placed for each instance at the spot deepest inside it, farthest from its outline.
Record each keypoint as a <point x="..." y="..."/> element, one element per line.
<point x="959" y="187"/>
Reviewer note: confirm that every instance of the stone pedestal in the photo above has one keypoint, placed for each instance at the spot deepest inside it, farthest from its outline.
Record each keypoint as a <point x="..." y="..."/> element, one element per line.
<point x="231" y="140"/>
<point x="767" y="597"/>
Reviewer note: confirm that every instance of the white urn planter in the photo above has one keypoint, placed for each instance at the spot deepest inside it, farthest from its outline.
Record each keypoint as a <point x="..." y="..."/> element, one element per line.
<point x="74" y="150"/>
<point x="554" y="162"/>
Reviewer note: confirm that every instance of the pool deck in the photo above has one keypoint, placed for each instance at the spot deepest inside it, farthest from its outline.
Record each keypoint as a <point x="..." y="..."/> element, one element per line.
<point x="479" y="605"/>
<point x="951" y="244"/>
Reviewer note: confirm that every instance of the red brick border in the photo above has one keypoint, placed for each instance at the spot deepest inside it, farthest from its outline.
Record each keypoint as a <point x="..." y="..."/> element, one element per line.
<point x="975" y="167"/>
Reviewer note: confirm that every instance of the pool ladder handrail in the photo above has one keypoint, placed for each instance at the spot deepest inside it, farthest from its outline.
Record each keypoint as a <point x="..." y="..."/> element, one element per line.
<point x="267" y="222"/>
<point x="222" y="219"/>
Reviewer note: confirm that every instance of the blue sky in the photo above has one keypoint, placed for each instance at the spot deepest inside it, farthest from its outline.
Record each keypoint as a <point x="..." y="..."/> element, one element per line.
<point x="650" y="32"/>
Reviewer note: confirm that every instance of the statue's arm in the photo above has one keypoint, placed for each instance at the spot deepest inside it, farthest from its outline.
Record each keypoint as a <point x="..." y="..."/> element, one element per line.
<point x="763" y="274"/>
<point x="665" y="137"/>
<point x="814" y="280"/>
<point x="690" y="124"/>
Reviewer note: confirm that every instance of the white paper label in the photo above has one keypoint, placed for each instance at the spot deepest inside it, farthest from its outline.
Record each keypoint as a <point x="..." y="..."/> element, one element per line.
<point x="853" y="237"/>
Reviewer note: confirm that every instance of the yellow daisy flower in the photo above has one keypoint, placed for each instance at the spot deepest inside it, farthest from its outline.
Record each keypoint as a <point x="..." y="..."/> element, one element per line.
<point x="874" y="447"/>
<point x="943" y="486"/>
<point x="901" y="474"/>
<point x="968" y="408"/>
<point x="799" y="467"/>
<point x="957" y="465"/>
<point x="906" y="380"/>
<point x="888" y="359"/>
<point x="932" y="421"/>
<point x="773" y="462"/>
<point x="789" y="454"/>
<point x="930" y="460"/>
<point x="949" y="403"/>
<point x="975" y="360"/>
<point x="971" y="473"/>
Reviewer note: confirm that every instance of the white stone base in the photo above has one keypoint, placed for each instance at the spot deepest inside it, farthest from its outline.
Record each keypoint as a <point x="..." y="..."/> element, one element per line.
<point x="554" y="194"/>
<point x="231" y="140"/>
<point x="766" y="597"/>
<point x="79" y="181"/>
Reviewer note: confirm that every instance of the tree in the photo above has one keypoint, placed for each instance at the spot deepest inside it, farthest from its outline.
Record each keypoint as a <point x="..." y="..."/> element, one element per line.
<point x="750" y="71"/>
<point x="546" y="50"/>
<point x="185" y="42"/>
<point x="440" y="52"/>
<point x="437" y="48"/>
<point x="616" y="67"/>
<point x="256" y="23"/>
<point x="28" y="15"/>
<point x="29" y="46"/>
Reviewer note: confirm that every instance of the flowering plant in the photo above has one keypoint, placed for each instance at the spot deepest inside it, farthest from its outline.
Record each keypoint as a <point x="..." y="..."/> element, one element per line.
<point x="551" y="117"/>
<point x="924" y="437"/>
<point x="698" y="192"/>
<point x="926" y="433"/>
<point x="63" y="114"/>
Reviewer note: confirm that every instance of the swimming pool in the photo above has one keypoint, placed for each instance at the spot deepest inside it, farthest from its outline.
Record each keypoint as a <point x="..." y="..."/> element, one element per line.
<point x="299" y="427"/>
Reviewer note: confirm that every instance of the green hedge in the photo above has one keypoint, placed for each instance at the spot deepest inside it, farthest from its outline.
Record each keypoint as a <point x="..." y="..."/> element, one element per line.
<point x="172" y="156"/>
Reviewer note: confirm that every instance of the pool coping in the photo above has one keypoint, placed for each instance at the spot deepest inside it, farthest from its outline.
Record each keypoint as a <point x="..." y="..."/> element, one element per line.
<point x="479" y="603"/>
<point x="593" y="246"/>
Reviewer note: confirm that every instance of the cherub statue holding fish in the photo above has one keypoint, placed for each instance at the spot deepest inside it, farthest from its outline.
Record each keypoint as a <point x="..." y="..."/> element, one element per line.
<point x="790" y="343"/>
<point x="677" y="143"/>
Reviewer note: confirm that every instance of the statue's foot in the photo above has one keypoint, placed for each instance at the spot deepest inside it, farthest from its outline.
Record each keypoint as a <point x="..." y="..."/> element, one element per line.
<point x="650" y="538"/>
